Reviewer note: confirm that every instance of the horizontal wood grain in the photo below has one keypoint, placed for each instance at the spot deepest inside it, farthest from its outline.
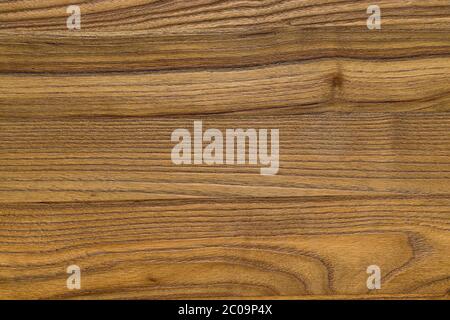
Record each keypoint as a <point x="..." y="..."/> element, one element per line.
<point x="204" y="248"/>
<point x="271" y="67"/>
<point x="313" y="86"/>
<point x="85" y="53"/>
<point x="287" y="71"/>
<point x="86" y="176"/>
<point x="226" y="231"/>
<point x="200" y="15"/>
<point x="331" y="154"/>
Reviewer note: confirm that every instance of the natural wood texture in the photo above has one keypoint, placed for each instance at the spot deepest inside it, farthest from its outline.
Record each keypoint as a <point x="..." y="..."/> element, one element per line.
<point x="196" y="16"/>
<point x="205" y="248"/>
<point x="312" y="86"/>
<point x="226" y="231"/>
<point x="86" y="176"/>
<point x="130" y="159"/>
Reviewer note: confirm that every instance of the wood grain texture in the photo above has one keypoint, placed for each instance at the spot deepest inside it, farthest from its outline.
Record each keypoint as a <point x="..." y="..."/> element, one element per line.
<point x="86" y="176"/>
<point x="289" y="246"/>
<point x="200" y="15"/>
<point x="127" y="159"/>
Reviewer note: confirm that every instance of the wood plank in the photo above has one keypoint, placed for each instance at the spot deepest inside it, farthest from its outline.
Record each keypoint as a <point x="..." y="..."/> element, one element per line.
<point x="85" y="53"/>
<point x="312" y="86"/>
<point x="130" y="159"/>
<point x="296" y="247"/>
<point x="199" y="15"/>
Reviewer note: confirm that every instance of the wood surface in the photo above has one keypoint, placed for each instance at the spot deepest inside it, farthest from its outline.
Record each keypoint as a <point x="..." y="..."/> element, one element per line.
<point x="86" y="176"/>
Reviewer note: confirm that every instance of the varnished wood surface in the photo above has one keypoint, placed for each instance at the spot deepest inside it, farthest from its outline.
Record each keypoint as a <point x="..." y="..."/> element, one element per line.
<point x="197" y="16"/>
<point x="130" y="158"/>
<point x="265" y="246"/>
<point x="86" y="176"/>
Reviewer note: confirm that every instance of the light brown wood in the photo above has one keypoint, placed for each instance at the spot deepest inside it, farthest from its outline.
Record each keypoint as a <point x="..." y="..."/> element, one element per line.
<point x="86" y="176"/>
<point x="198" y="16"/>
<point x="130" y="159"/>
<point x="225" y="230"/>
<point x="312" y="86"/>
<point x="258" y="247"/>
